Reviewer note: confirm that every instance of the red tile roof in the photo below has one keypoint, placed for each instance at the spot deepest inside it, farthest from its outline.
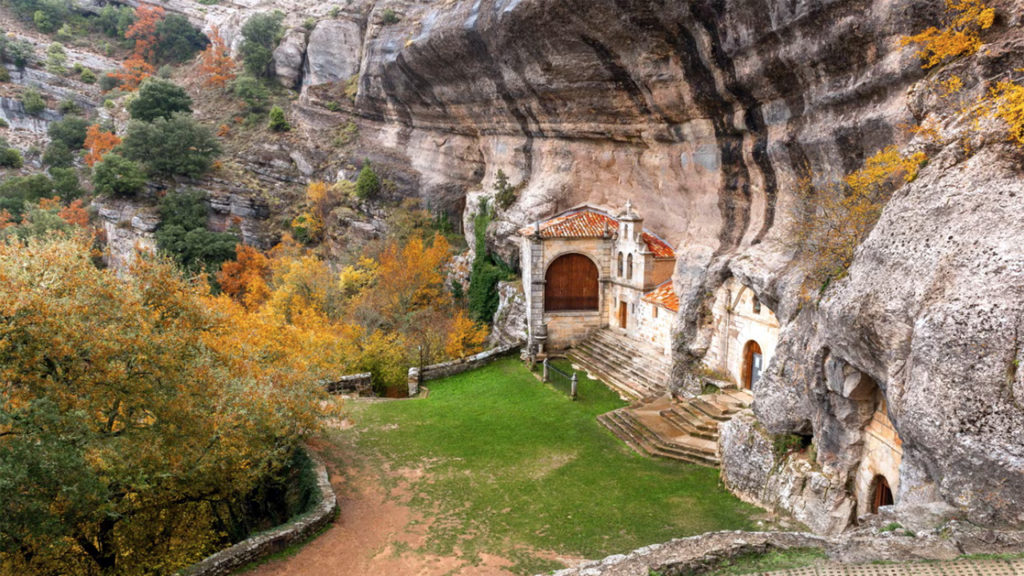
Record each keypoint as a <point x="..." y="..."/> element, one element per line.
<point x="587" y="222"/>
<point x="664" y="295"/>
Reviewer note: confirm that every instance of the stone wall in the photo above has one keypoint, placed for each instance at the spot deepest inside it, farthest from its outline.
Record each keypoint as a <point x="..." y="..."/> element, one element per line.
<point x="452" y="367"/>
<point x="883" y="453"/>
<point x="734" y="324"/>
<point x="276" y="539"/>
<point x="361" y="384"/>
<point x="654" y="325"/>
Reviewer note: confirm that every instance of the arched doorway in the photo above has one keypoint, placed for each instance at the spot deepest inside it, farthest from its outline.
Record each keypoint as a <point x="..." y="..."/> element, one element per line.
<point x="752" y="360"/>
<point x="571" y="284"/>
<point x="882" y="494"/>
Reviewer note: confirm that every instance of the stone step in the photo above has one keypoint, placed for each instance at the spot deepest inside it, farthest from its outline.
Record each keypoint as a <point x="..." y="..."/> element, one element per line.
<point x="609" y="366"/>
<point x="696" y="450"/>
<point x="631" y="348"/>
<point x="636" y="362"/>
<point x="713" y="409"/>
<point x="598" y="369"/>
<point x="741" y="395"/>
<point x="691" y="425"/>
<point x="625" y="368"/>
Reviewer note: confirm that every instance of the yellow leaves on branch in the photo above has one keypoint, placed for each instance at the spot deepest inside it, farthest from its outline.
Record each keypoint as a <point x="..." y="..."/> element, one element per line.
<point x="962" y="37"/>
<point x="1006" y="101"/>
<point x="466" y="337"/>
<point x="829" y="222"/>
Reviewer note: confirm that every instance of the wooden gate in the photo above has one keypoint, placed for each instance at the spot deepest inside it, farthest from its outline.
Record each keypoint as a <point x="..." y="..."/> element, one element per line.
<point x="571" y="284"/>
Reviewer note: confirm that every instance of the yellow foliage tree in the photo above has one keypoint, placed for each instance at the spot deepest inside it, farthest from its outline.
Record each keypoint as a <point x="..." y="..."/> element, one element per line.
<point x="829" y="222"/>
<point x="962" y="37"/>
<point x="466" y="337"/>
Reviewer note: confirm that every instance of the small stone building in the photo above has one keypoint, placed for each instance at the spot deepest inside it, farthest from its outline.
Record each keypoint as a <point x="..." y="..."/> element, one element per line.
<point x="586" y="269"/>
<point x="744" y="334"/>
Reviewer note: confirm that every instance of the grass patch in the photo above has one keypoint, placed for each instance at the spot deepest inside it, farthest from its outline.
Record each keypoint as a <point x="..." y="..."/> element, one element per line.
<point x="755" y="563"/>
<point x="514" y="467"/>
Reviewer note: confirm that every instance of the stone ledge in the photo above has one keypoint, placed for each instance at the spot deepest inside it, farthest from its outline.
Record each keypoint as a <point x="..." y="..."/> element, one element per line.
<point x="452" y="367"/>
<point x="685" y="555"/>
<point x="276" y="539"/>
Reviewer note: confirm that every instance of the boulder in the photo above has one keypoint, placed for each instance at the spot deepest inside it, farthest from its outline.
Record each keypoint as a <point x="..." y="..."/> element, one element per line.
<point x="333" y="52"/>
<point x="288" y="58"/>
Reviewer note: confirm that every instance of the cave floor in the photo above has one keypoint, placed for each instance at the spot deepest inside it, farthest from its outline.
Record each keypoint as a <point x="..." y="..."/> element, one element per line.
<point x="496" y="473"/>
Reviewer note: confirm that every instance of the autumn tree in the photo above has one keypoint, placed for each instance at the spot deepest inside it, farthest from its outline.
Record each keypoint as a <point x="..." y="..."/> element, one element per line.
<point x="133" y="71"/>
<point x="137" y="413"/>
<point x="216" y="66"/>
<point x="961" y="37"/>
<point x="143" y="32"/>
<point x="98" y="143"/>
<point x="830" y="221"/>
<point x="246" y="277"/>
<point x="465" y="337"/>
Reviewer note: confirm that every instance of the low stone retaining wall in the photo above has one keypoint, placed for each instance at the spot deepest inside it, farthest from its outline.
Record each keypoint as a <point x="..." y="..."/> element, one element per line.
<point x="685" y="555"/>
<point x="361" y="384"/>
<point x="276" y="539"/>
<point x="435" y="371"/>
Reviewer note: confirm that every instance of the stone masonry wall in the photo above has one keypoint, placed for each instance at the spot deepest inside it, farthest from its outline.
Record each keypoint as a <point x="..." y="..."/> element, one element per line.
<point x="450" y="368"/>
<point x="276" y="539"/>
<point x="361" y="384"/>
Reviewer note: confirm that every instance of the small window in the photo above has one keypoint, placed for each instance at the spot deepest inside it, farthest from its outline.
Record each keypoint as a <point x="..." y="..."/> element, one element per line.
<point x="629" y="267"/>
<point x="619" y="273"/>
<point x="654" y="311"/>
<point x="757" y="305"/>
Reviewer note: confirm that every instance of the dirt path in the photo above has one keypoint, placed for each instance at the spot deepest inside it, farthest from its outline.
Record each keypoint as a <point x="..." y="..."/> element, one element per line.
<point x="375" y="534"/>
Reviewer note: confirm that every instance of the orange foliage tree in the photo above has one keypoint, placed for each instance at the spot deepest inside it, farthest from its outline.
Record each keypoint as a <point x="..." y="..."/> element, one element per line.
<point x="143" y="31"/>
<point x="962" y="37"/>
<point x="98" y="143"/>
<point x="75" y="214"/>
<point x="216" y="64"/>
<point x="245" y="278"/>
<point x="133" y="71"/>
<point x="466" y="336"/>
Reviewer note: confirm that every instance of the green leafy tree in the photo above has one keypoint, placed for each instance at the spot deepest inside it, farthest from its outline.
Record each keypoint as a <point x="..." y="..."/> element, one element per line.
<point x="20" y="53"/>
<point x="278" y="123"/>
<point x="69" y="130"/>
<point x="260" y="35"/>
<point x="66" y="183"/>
<point x="368" y="184"/>
<point x="251" y="91"/>
<point x="178" y="146"/>
<point x="183" y="233"/>
<point x="57" y="154"/>
<point x="118" y="176"/>
<point x="16" y="192"/>
<point x="177" y="40"/>
<point x="11" y="158"/>
<point x="33" y="101"/>
<point x="56" y="59"/>
<point x="158" y="98"/>
<point x="88" y="76"/>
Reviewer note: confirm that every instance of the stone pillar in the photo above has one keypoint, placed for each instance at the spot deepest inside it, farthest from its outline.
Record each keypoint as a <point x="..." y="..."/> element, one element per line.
<point x="414" y="381"/>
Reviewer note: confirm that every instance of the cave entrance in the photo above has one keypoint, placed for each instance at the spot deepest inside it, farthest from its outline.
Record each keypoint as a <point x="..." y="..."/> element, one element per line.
<point x="882" y="494"/>
<point x="752" y="361"/>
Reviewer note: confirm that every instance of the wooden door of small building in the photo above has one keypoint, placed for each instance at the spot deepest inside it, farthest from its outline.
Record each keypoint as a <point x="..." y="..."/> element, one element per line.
<point x="571" y="283"/>
<point x="622" y="315"/>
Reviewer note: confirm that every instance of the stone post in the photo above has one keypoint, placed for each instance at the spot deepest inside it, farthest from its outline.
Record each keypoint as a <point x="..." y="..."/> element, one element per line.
<point x="414" y="381"/>
<point x="572" y="393"/>
<point x="544" y="378"/>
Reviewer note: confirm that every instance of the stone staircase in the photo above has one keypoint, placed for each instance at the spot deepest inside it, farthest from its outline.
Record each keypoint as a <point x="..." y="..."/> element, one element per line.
<point x="635" y="370"/>
<point x="684" y="430"/>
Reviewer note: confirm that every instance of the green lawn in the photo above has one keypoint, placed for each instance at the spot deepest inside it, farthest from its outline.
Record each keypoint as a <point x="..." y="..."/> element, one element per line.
<point x="513" y="466"/>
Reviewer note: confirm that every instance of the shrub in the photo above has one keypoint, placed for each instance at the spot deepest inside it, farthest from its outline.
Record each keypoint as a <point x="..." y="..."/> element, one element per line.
<point x="159" y="99"/>
<point x="10" y="158"/>
<point x="57" y="154"/>
<point x="15" y="192"/>
<point x="88" y="76"/>
<point x="177" y="40"/>
<point x="962" y="37"/>
<point x="5" y="76"/>
<point x="65" y="183"/>
<point x="68" y="106"/>
<point x="783" y="444"/>
<point x="251" y="91"/>
<point x="70" y="130"/>
<point x="33" y="101"/>
<point x="368" y="184"/>
<point x="183" y="234"/>
<point x="118" y="176"/>
<point x="108" y="82"/>
<point x="169" y="147"/>
<point x="388" y="17"/>
<point x="505" y="193"/>
<point x="486" y="272"/>
<point x="260" y="35"/>
<point x="278" y="123"/>
<point x="21" y="53"/>
<point x="56" y="59"/>
<point x="4" y="124"/>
